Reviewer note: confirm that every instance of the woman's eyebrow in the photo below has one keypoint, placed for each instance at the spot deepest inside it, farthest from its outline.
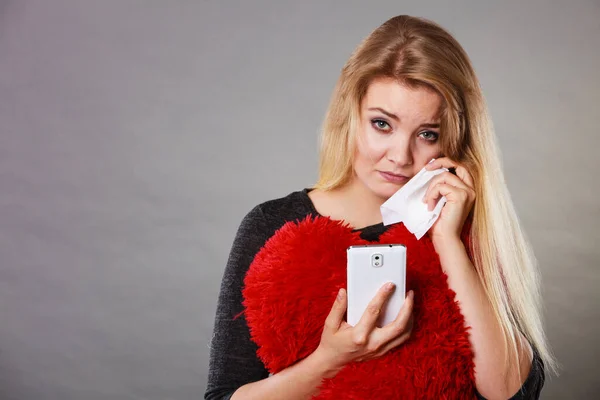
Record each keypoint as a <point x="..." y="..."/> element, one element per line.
<point x="389" y="114"/>
<point x="430" y="125"/>
<point x="395" y="117"/>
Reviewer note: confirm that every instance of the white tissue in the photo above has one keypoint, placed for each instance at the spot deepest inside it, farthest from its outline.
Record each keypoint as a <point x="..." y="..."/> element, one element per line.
<point x="407" y="206"/>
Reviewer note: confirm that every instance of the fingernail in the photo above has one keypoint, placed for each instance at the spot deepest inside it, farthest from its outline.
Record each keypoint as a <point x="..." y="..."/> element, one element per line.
<point x="340" y="295"/>
<point x="411" y="294"/>
<point x="390" y="286"/>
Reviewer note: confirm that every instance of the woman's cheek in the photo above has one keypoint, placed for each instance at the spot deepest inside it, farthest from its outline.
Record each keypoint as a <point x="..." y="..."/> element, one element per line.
<point x="376" y="145"/>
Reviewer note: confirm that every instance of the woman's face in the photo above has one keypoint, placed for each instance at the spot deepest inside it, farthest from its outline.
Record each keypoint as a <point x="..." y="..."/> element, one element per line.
<point x="398" y="134"/>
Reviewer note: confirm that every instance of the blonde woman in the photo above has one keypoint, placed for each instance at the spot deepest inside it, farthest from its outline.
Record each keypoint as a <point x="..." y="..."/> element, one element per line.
<point x="408" y="94"/>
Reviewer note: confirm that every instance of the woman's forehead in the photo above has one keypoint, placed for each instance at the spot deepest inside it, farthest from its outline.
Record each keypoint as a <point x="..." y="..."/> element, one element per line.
<point x="402" y="100"/>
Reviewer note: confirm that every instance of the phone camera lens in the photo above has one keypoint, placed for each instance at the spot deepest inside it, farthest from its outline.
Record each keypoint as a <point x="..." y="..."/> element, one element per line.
<point x="377" y="260"/>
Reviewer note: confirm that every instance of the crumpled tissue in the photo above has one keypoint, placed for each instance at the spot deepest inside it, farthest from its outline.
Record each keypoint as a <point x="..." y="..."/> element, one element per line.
<point x="407" y="206"/>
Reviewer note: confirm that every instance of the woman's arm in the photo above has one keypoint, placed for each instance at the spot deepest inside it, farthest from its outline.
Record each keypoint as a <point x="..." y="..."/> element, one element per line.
<point x="532" y="388"/>
<point x="297" y="382"/>
<point x="235" y="371"/>
<point x="233" y="361"/>
<point x="493" y="379"/>
<point x="340" y="344"/>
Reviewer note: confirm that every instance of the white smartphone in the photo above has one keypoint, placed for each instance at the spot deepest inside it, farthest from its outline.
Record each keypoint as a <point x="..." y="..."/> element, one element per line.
<point x="369" y="267"/>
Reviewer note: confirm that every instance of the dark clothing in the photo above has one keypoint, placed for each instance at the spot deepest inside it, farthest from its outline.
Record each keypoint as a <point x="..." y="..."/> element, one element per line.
<point x="233" y="360"/>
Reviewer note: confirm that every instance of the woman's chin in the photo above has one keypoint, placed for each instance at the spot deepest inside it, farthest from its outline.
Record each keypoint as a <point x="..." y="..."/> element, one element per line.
<point x="383" y="190"/>
<point x="387" y="191"/>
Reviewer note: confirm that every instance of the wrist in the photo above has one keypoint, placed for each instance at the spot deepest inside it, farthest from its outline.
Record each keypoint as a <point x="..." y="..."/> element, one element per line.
<point x="443" y="244"/>
<point x="327" y="366"/>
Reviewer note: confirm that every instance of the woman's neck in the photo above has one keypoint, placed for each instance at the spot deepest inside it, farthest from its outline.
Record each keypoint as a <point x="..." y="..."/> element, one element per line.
<point x="353" y="203"/>
<point x="366" y="203"/>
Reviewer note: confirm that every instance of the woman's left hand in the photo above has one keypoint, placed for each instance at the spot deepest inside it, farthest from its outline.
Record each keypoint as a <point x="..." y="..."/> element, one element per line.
<point x="460" y="197"/>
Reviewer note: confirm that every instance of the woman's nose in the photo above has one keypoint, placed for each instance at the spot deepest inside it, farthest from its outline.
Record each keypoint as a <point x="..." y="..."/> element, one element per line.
<point x="400" y="155"/>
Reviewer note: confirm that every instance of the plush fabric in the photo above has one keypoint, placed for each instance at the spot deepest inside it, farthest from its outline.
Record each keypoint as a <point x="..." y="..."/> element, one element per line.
<point x="292" y="284"/>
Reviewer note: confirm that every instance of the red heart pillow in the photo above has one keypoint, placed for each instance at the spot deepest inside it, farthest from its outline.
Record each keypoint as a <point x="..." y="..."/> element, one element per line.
<point x="290" y="288"/>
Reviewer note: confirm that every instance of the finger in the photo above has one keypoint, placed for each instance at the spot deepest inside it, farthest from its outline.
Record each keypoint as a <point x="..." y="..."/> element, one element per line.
<point x="445" y="162"/>
<point x="465" y="176"/>
<point x="336" y="314"/>
<point x="452" y="193"/>
<point x="369" y="318"/>
<point x="390" y="344"/>
<point x="449" y="178"/>
<point x="401" y="324"/>
<point x="442" y="162"/>
<point x="445" y="177"/>
<point x="394" y="343"/>
<point x="438" y="163"/>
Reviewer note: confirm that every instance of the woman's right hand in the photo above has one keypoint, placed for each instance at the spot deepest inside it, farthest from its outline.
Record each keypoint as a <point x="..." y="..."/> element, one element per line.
<point x="342" y="343"/>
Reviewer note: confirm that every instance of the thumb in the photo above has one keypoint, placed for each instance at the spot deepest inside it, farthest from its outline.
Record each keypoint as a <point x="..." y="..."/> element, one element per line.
<point x="336" y="315"/>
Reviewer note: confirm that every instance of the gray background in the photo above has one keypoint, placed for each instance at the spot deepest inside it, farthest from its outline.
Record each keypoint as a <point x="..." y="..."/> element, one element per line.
<point x="135" y="135"/>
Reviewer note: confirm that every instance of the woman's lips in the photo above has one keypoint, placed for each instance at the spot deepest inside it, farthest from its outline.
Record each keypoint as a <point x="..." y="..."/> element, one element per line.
<point x="394" y="178"/>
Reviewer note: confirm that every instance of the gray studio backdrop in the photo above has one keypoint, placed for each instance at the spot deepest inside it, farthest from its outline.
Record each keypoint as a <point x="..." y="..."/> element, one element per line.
<point x="135" y="135"/>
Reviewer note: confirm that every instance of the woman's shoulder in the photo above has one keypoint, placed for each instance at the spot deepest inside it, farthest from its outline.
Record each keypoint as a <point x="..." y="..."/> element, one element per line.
<point x="265" y="218"/>
<point x="261" y="223"/>
<point x="290" y="207"/>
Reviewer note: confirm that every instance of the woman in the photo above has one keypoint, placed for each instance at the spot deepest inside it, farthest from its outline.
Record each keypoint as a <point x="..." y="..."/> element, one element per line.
<point x="408" y="94"/>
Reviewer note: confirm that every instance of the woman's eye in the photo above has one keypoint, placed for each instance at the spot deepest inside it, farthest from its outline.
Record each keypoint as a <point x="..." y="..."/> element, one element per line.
<point x="380" y="125"/>
<point x="431" y="135"/>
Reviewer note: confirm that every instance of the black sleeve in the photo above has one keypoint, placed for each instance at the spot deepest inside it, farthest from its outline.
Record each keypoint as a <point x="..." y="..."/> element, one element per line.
<point x="532" y="387"/>
<point x="233" y="361"/>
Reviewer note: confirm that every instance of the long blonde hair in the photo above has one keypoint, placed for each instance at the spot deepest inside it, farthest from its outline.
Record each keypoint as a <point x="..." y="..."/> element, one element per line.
<point x="416" y="51"/>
